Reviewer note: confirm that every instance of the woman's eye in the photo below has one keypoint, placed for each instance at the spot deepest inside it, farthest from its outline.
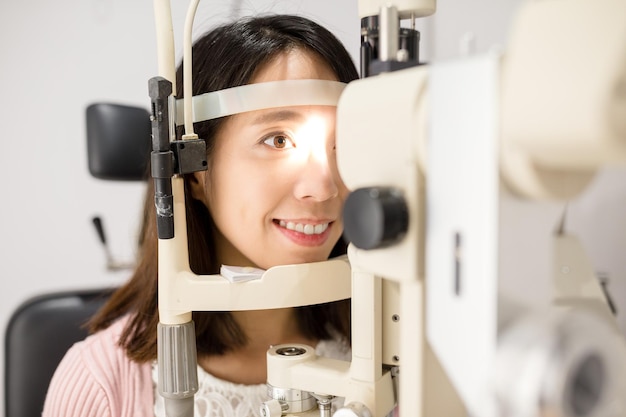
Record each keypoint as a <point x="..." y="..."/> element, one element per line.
<point x="279" y="141"/>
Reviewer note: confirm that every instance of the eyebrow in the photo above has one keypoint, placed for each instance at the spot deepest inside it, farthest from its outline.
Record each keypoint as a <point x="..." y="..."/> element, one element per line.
<point x="278" y="116"/>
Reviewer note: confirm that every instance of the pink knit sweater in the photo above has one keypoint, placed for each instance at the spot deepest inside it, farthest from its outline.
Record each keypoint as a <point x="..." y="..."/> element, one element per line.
<point x="96" y="379"/>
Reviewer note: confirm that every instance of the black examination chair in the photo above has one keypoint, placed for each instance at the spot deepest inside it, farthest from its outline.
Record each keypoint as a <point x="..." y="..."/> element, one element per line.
<point x="39" y="333"/>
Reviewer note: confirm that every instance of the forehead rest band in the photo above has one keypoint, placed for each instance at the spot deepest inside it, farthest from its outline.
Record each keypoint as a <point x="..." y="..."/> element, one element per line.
<point x="260" y="96"/>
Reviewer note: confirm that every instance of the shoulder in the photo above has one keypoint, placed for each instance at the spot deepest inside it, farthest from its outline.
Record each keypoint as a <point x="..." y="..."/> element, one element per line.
<point x="97" y="375"/>
<point x="101" y="353"/>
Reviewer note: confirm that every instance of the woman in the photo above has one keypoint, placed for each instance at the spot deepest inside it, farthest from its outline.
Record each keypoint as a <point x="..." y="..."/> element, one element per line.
<point x="269" y="197"/>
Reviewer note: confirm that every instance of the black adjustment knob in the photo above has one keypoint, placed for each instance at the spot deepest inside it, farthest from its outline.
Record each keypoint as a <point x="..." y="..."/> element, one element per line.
<point x="375" y="217"/>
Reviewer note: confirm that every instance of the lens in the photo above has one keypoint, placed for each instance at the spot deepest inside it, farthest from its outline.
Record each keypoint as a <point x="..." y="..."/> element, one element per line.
<point x="585" y="387"/>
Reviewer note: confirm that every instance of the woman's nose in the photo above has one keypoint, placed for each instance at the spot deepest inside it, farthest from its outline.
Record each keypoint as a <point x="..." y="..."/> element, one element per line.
<point x="318" y="180"/>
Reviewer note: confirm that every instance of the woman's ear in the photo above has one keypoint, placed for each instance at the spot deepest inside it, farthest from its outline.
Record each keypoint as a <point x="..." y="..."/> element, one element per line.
<point x="197" y="186"/>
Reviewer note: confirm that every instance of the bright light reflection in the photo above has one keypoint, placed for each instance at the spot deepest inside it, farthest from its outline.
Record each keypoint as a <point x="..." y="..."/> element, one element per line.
<point x="311" y="139"/>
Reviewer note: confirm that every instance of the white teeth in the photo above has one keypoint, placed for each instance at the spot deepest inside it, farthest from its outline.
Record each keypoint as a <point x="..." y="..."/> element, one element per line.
<point x="319" y="228"/>
<point x="307" y="229"/>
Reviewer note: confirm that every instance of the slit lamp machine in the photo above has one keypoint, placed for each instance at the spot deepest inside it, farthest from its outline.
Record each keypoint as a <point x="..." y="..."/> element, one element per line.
<point x="460" y="172"/>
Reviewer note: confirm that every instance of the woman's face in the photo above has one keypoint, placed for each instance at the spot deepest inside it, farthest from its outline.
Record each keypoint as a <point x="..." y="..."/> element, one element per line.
<point x="273" y="188"/>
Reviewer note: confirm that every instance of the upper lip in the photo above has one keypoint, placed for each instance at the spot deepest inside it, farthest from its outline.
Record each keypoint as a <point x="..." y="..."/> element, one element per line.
<point x="313" y="221"/>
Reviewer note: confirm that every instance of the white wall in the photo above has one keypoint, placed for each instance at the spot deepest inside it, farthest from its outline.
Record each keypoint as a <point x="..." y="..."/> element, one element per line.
<point x="59" y="56"/>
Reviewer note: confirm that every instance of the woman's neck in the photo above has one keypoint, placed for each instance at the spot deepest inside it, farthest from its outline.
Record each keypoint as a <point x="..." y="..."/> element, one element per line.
<point x="263" y="329"/>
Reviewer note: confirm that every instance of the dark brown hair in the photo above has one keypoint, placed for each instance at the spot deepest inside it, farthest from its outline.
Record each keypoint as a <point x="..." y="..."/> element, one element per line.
<point x="226" y="57"/>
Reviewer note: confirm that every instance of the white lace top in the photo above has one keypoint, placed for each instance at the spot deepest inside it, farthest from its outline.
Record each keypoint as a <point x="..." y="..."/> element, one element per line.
<point x="219" y="398"/>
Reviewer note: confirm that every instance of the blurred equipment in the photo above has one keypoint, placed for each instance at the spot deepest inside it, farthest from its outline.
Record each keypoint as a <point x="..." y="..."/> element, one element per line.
<point x="483" y="153"/>
<point x="111" y="263"/>
<point x="118" y="149"/>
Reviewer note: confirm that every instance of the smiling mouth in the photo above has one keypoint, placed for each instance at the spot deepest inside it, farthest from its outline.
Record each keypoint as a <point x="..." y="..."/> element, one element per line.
<point x="306" y="228"/>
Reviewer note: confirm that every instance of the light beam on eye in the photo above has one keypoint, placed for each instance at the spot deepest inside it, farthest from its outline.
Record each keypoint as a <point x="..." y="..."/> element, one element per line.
<point x="311" y="138"/>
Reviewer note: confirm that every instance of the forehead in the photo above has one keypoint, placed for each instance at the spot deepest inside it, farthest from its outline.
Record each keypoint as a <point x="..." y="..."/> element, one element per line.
<point x="296" y="64"/>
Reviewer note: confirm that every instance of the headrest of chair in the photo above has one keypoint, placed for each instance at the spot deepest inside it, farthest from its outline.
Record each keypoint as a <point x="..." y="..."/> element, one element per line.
<point x="118" y="141"/>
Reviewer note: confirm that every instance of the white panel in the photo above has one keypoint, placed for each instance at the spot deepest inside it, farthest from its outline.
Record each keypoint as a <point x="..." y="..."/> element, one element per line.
<point x="462" y="222"/>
